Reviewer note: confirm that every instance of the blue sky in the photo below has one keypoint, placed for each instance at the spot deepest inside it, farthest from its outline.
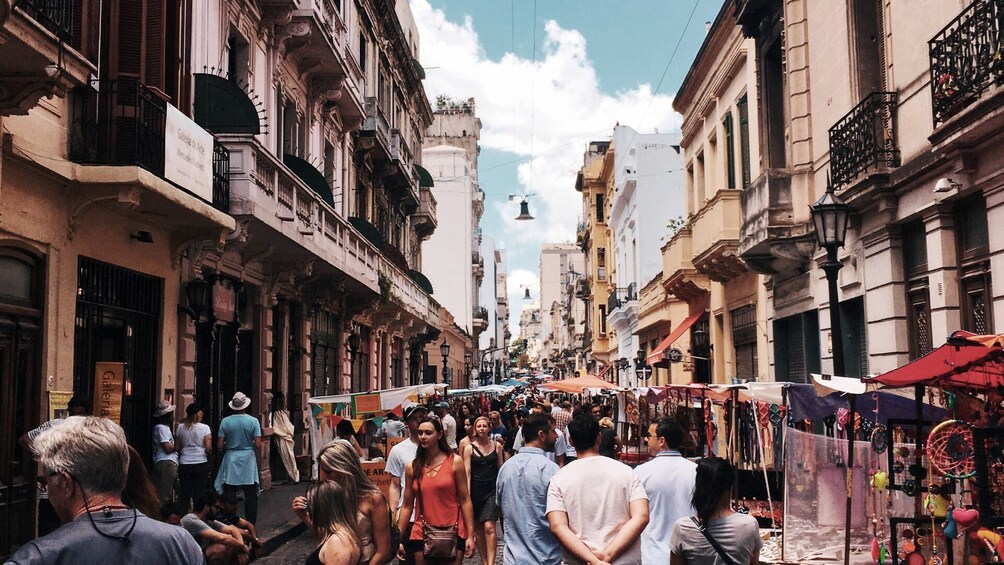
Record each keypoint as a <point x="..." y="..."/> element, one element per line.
<point x="549" y="76"/>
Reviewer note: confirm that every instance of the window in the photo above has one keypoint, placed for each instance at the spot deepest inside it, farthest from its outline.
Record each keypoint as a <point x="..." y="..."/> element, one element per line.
<point x="772" y="79"/>
<point x="599" y="208"/>
<point x="796" y="347"/>
<point x="603" y="319"/>
<point x="601" y="263"/>
<point x="361" y="201"/>
<point x="869" y="46"/>
<point x="918" y="302"/>
<point x="744" y="139"/>
<point x="730" y="151"/>
<point x="700" y="349"/>
<point x="324" y="339"/>
<point x="238" y="63"/>
<point x="362" y="52"/>
<point x="699" y="186"/>
<point x="974" y="265"/>
<point x="744" y="341"/>
<point x="855" y="338"/>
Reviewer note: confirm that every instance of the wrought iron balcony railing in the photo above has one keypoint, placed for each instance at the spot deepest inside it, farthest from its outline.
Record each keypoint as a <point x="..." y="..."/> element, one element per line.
<point x="621" y="296"/>
<point x="966" y="58"/>
<point x="54" y="15"/>
<point x="864" y="139"/>
<point x="122" y="122"/>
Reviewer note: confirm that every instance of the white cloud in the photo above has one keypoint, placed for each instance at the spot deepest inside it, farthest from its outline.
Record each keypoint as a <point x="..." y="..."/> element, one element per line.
<point x="557" y="97"/>
<point x="518" y="281"/>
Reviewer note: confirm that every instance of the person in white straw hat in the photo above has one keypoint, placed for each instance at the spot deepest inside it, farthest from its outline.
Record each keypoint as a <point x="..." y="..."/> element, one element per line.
<point x="240" y="436"/>
<point x="165" y="452"/>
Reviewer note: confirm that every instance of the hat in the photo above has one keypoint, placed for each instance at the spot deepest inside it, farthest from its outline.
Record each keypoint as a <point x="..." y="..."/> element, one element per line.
<point x="409" y="410"/>
<point x="240" y="401"/>
<point x="445" y="405"/>
<point x="522" y="411"/>
<point x="163" y="407"/>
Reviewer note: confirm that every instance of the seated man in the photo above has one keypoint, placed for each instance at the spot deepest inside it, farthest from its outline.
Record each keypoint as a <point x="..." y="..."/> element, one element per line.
<point x="171" y="513"/>
<point x="220" y="543"/>
<point x="228" y="516"/>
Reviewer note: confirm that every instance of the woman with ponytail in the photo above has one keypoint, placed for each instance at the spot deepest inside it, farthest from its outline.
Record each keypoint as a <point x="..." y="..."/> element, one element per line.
<point x="716" y="535"/>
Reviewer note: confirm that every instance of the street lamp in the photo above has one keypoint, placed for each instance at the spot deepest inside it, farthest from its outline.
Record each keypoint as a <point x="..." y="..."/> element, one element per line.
<point x="444" y="349"/>
<point x="829" y="215"/>
<point x="200" y="296"/>
<point x="468" y="359"/>
<point x="642" y="369"/>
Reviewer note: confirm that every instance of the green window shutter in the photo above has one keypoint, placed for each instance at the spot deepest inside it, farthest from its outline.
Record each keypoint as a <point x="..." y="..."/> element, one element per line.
<point x="744" y="138"/>
<point x="730" y="151"/>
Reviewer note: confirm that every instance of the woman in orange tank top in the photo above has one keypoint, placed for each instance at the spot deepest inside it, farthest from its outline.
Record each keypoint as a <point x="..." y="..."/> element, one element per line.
<point x="438" y="481"/>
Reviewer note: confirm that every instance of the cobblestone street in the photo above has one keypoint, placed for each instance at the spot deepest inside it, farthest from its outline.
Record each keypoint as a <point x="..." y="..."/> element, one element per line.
<point x="295" y="551"/>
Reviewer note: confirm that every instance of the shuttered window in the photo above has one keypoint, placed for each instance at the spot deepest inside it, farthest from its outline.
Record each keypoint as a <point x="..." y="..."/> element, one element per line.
<point x="744" y="139"/>
<point x="324" y="340"/>
<point x="744" y="341"/>
<point x="974" y="267"/>
<point x="730" y="151"/>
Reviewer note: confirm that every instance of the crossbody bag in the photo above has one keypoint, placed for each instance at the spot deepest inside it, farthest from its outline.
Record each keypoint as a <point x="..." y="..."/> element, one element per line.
<point x="438" y="542"/>
<point x="714" y="543"/>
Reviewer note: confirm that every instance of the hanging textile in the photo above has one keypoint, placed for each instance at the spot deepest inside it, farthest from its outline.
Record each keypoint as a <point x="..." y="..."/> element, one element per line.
<point x="282" y="432"/>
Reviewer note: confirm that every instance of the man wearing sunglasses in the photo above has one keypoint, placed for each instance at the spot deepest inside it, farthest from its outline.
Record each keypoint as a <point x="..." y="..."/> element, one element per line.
<point x="84" y="463"/>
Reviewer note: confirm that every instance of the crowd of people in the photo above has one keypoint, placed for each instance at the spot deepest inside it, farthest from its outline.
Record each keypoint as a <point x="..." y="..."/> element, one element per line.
<point x="546" y="476"/>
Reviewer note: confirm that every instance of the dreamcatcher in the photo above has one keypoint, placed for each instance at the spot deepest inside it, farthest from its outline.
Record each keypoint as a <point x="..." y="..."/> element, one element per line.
<point x="950" y="449"/>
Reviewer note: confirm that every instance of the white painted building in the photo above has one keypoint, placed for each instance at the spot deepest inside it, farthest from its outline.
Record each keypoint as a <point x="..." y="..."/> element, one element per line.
<point x="453" y="260"/>
<point x="531" y="329"/>
<point x="557" y="260"/>
<point x="647" y="195"/>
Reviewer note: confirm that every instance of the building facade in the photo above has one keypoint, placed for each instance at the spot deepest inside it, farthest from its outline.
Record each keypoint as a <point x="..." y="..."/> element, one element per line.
<point x="452" y="255"/>
<point x="207" y="198"/>
<point x="905" y="127"/>
<point x="645" y="196"/>
<point x="494" y="298"/>
<point x="719" y="322"/>
<point x="560" y="263"/>
<point x="591" y="236"/>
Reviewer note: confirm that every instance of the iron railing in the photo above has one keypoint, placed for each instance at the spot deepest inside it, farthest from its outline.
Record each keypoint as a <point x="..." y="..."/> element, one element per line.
<point x="221" y="177"/>
<point x="481" y="313"/>
<point x="864" y="138"/>
<point x="54" y="15"/>
<point x="966" y="58"/>
<point x="118" y="122"/>
<point x="621" y="296"/>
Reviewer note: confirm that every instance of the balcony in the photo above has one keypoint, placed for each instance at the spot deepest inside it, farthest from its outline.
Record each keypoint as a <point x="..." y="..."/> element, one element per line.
<point x="622" y="297"/>
<point x="479" y="321"/>
<point x="582" y="289"/>
<point x="123" y="123"/>
<point x="772" y="241"/>
<point x="582" y="235"/>
<point x="392" y="157"/>
<point x="424" y="218"/>
<point x="863" y="142"/>
<point x="967" y="72"/>
<point x="679" y="277"/>
<point x="715" y="236"/>
<point x="36" y="60"/>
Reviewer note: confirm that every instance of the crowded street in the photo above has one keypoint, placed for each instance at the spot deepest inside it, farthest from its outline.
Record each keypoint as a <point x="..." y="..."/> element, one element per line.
<point x="524" y="282"/>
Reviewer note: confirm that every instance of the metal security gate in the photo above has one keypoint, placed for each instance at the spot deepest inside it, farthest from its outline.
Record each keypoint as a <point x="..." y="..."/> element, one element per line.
<point x="118" y="320"/>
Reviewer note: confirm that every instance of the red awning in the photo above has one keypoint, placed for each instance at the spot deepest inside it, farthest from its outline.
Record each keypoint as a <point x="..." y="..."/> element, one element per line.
<point x="577" y="384"/>
<point x="967" y="360"/>
<point x="697" y="309"/>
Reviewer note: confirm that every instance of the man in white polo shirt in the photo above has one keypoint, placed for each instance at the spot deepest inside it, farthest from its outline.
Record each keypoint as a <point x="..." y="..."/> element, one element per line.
<point x="669" y="481"/>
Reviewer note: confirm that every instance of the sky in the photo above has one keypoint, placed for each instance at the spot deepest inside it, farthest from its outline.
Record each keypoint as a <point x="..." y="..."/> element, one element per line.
<point x="548" y="77"/>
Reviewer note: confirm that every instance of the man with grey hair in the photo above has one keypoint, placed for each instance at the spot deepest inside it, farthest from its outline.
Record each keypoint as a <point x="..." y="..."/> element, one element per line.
<point x="84" y="463"/>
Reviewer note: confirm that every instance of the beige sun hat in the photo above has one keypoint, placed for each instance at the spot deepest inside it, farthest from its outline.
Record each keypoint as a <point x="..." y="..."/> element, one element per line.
<point x="240" y="401"/>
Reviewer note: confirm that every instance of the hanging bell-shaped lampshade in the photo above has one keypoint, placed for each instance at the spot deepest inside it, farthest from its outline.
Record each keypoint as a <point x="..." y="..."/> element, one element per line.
<point x="526" y="293"/>
<point x="524" y="213"/>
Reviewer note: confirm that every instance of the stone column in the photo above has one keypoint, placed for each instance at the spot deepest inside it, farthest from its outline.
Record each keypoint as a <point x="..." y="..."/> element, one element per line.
<point x="885" y="300"/>
<point x="942" y="273"/>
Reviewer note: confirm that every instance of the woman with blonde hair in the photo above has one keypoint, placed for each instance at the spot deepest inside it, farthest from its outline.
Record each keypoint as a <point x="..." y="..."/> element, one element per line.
<point x="482" y="459"/>
<point x="328" y="506"/>
<point x="338" y="462"/>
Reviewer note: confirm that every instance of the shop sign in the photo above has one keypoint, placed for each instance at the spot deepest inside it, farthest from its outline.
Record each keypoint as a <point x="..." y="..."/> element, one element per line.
<point x="224" y="303"/>
<point x="188" y="154"/>
<point x="108" y="390"/>
<point x="391" y="442"/>
<point x="366" y="403"/>
<point x="59" y="403"/>
<point x="377" y="474"/>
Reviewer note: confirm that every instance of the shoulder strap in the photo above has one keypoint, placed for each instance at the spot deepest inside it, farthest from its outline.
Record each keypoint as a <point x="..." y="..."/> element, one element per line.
<point x="475" y="447"/>
<point x="714" y="543"/>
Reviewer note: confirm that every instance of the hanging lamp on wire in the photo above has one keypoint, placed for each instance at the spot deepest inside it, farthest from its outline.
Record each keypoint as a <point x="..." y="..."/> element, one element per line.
<point x="526" y="293"/>
<point x="524" y="206"/>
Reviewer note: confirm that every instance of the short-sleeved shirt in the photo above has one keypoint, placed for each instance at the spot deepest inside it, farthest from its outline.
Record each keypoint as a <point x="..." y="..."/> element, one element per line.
<point x="196" y="526"/>
<point x="393" y="428"/>
<point x="595" y="493"/>
<point x="77" y="543"/>
<point x="450" y="430"/>
<point x="522" y="492"/>
<point x="400" y="456"/>
<point x="560" y="444"/>
<point x="738" y="534"/>
<point x="190" y="443"/>
<point x="669" y="482"/>
<point x="240" y="465"/>
<point x="162" y="434"/>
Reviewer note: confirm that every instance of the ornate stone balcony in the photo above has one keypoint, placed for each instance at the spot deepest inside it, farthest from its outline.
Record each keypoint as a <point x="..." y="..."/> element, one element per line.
<point x="772" y="241"/>
<point x="35" y="58"/>
<point x="715" y="236"/>
<point x="424" y="218"/>
<point x="391" y="154"/>
<point x="479" y="320"/>
<point x="679" y="277"/>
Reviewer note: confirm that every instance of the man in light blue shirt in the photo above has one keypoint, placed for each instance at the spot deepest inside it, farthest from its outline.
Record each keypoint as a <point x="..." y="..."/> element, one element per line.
<point x="522" y="494"/>
<point x="669" y="481"/>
